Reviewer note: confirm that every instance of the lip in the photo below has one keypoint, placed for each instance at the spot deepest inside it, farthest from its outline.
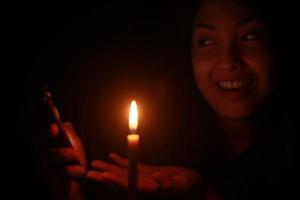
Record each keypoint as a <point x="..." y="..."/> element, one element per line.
<point x="223" y="76"/>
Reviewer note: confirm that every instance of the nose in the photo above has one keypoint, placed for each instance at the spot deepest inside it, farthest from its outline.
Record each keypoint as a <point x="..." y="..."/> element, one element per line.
<point x="230" y="58"/>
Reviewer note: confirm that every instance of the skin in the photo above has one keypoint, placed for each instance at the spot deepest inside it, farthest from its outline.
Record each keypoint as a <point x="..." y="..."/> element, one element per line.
<point x="230" y="44"/>
<point x="66" y="180"/>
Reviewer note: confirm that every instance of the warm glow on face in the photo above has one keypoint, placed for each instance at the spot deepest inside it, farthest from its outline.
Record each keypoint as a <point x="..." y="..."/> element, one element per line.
<point x="133" y="117"/>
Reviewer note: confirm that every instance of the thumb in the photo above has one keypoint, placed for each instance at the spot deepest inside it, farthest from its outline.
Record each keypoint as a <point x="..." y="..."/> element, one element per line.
<point x="76" y="142"/>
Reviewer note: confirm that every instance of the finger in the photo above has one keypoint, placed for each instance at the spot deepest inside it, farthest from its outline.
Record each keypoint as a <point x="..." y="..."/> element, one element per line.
<point x="148" y="169"/>
<point x="74" y="171"/>
<point x="70" y="131"/>
<point x="63" y="154"/>
<point x="95" y="176"/>
<point x="187" y="180"/>
<point x="68" y="125"/>
<point x="107" y="177"/>
<point x="54" y="130"/>
<point x="113" y="178"/>
<point x="162" y="179"/>
<point x="119" y="160"/>
<point x="147" y="184"/>
<point x="101" y="165"/>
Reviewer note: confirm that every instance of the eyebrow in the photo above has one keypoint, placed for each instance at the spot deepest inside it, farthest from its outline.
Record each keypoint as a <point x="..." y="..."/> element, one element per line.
<point x="204" y="25"/>
<point x="246" y="21"/>
<point x="211" y="27"/>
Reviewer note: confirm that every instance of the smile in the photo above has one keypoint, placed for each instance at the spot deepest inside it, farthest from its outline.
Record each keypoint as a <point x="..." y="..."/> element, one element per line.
<point x="234" y="84"/>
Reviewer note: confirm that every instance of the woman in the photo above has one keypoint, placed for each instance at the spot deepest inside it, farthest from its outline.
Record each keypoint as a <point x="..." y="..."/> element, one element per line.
<point x="236" y="71"/>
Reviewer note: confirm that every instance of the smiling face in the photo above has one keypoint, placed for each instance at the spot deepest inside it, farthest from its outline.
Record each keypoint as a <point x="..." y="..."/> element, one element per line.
<point x="232" y="59"/>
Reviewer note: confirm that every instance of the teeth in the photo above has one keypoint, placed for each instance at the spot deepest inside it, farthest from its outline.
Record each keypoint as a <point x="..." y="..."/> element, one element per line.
<point x="234" y="85"/>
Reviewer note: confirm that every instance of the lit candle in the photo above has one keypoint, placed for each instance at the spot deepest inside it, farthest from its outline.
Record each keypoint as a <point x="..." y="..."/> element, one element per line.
<point x="133" y="143"/>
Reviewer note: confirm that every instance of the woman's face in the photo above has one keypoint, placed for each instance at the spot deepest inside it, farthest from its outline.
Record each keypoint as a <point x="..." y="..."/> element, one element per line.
<point x="232" y="59"/>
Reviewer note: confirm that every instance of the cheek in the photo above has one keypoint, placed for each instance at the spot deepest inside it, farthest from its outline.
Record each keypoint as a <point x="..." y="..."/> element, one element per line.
<point x="257" y="55"/>
<point x="201" y="71"/>
<point x="199" y="75"/>
<point x="260" y="62"/>
<point x="203" y="61"/>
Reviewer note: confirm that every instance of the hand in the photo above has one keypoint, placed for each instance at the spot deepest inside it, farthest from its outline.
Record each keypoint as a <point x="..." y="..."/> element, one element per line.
<point x="151" y="179"/>
<point x="66" y="165"/>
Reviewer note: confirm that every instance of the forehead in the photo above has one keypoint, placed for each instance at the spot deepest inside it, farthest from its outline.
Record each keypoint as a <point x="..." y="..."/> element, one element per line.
<point x="223" y="10"/>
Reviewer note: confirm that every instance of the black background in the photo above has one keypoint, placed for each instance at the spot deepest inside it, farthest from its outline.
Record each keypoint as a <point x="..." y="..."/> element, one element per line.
<point x="95" y="58"/>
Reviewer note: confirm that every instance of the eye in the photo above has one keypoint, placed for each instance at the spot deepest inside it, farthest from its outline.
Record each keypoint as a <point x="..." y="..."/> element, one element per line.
<point x="252" y="36"/>
<point x="205" y="42"/>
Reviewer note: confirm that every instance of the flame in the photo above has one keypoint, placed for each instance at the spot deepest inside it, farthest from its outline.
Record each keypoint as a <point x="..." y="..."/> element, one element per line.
<point x="133" y="117"/>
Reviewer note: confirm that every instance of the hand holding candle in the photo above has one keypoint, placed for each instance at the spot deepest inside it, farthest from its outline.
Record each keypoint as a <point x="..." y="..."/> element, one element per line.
<point x="143" y="177"/>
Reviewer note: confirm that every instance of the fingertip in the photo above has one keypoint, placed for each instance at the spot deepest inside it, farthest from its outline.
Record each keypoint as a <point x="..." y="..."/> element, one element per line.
<point x="54" y="129"/>
<point x="75" y="171"/>
<point x="113" y="155"/>
<point x="94" y="175"/>
<point x="98" y="164"/>
<point x="116" y="157"/>
<point x="89" y="174"/>
<point x="94" y="163"/>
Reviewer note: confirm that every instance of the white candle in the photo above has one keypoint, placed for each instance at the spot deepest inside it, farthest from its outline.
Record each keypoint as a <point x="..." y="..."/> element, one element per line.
<point x="133" y="143"/>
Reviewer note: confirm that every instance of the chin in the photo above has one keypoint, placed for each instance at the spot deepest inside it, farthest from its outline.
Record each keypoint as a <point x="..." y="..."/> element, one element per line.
<point x="236" y="114"/>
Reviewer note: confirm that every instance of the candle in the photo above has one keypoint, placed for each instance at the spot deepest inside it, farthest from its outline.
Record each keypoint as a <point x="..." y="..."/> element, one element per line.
<point x="133" y="143"/>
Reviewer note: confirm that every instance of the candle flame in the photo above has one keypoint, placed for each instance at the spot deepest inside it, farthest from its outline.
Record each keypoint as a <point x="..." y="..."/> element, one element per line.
<point x="133" y="117"/>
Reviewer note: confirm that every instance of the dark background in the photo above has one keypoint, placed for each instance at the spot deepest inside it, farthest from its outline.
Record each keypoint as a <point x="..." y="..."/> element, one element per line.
<point x="96" y="58"/>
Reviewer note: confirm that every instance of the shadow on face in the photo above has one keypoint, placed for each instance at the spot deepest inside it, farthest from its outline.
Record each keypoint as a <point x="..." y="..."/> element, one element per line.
<point x="232" y="58"/>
